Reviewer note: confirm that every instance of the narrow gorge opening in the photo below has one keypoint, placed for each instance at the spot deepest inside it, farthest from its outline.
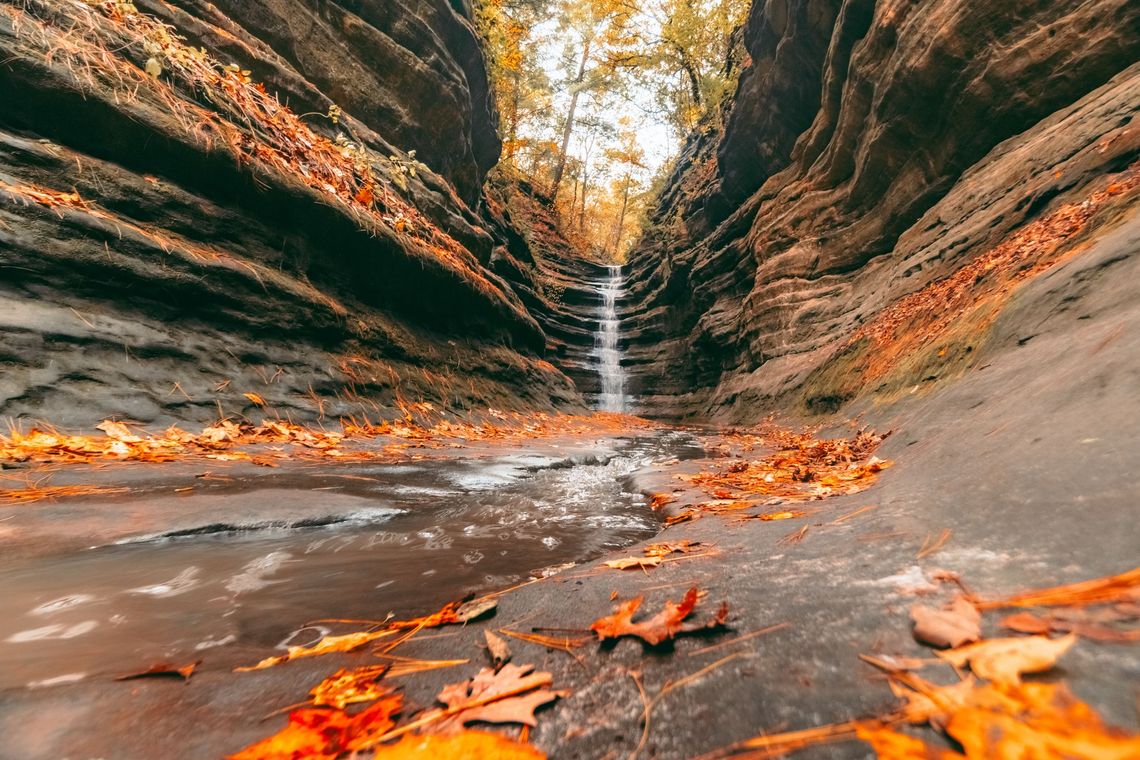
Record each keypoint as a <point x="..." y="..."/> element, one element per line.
<point x="526" y="378"/>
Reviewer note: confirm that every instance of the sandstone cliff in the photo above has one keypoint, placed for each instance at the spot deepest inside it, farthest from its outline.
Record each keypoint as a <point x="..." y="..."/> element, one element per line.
<point x="889" y="177"/>
<point x="200" y="201"/>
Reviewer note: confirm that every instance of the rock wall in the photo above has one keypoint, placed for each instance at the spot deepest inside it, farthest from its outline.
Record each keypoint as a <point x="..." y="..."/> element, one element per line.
<point x="875" y="149"/>
<point x="200" y="201"/>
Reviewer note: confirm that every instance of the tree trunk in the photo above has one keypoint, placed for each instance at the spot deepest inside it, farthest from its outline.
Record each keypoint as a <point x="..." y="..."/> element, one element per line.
<point x="513" y="119"/>
<point x="568" y="130"/>
<point x="621" y="216"/>
<point x="582" y="209"/>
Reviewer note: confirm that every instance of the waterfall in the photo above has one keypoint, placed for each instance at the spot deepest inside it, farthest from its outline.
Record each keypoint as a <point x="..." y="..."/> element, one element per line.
<point x="606" y="345"/>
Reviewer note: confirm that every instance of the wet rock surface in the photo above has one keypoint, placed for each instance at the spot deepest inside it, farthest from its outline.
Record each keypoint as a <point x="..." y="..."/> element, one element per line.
<point x="872" y="149"/>
<point x="1022" y="509"/>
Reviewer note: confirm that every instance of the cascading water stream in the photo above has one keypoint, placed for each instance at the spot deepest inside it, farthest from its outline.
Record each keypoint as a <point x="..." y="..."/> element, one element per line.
<point x="612" y="374"/>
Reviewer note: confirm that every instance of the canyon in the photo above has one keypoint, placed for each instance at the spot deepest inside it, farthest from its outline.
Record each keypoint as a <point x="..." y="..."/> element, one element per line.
<point x="916" y="218"/>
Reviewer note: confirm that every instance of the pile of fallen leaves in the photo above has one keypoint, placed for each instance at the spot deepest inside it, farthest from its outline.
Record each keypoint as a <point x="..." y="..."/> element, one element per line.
<point x="804" y="468"/>
<point x="228" y="440"/>
<point x="992" y="712"/>
<point x="920" y="318"/>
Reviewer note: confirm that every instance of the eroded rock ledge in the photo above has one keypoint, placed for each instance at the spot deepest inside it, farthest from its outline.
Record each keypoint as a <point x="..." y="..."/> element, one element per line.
<point x="173" y="237"/>
<point x="874" y="149"/>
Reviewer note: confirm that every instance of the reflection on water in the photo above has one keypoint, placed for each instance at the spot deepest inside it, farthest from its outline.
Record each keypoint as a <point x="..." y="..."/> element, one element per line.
<point x="435" y="534"/>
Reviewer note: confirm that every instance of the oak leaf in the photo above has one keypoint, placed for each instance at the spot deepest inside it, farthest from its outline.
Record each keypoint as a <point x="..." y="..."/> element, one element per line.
<point x="957" y="624"/>
<point x="1004" y="660"/>
<point x="510" y="695"/>
<point x="665" y="625"/>
<point x="466" y="745"/>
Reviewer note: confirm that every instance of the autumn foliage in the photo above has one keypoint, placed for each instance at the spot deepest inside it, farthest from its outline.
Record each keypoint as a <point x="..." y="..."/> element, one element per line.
<point x="804" y="467"/>
<point x="669" y="622"/>
<point x="111" y="44"/>
<point x="922" y="318"/>
<point x="228" y="440"/>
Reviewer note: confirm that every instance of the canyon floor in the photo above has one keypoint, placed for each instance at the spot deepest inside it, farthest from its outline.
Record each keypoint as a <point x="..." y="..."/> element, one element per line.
<point x="1009" y="478"/>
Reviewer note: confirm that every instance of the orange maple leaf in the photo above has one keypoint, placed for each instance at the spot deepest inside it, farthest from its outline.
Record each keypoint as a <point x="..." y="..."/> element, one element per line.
<point x="666" y="624"/>
<point x="315" y="734"/>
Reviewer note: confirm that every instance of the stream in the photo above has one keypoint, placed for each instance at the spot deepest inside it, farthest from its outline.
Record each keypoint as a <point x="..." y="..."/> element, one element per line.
<point x="427" y="533"/>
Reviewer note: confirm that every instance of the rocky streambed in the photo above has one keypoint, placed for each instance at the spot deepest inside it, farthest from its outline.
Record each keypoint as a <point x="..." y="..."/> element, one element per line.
<point x="192" y="564"/>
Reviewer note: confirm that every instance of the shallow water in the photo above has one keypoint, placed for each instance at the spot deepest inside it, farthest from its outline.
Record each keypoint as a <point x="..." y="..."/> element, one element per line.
<point x="429" y="533"/>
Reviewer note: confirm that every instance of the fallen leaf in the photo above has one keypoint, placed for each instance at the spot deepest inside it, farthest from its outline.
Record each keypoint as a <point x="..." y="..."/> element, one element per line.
<point x="466" y="745"/>
<point x="1036" y="721"/>
<point x="510" y="695"/>
<point x="451" y="613"/>
<point x="346" y="687"/>
<point x="957" y="624"/>
<point x="1004" y="660"/>
<point x="1026" y="622"/>
<point x="474" y="610"/>
<point x="164" y="669"/>
<point x="687" y="515"/>
<point x="498" y="649"/>
<point x="118" y="431"/>
<point x="666" y="624"/>
<point x="255" y="399"/>
<point x="665" y="549"/>
<point x="774" y="516"/>
<point x="628" y="562"/>
<point x="328" y="644"/>
<point x="324" y="734"/>
<point x="931" y="703"/>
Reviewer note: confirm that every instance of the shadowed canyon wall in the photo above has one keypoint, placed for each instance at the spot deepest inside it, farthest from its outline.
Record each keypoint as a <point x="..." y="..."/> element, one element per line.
<point x="889" y="176"/>
<point x="200" y="201"/>
<point x="206" y="208"/>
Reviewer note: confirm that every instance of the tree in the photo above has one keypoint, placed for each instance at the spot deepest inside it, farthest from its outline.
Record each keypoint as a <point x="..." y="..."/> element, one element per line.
<point x="690" y="48"/>
<point x="629" y="159"/>
<point x="599" y="32"/>
<point x="521" y="86"/>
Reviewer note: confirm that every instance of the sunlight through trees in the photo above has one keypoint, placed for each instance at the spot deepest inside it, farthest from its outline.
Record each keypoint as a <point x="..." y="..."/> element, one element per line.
<point x="595" y="97"/>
